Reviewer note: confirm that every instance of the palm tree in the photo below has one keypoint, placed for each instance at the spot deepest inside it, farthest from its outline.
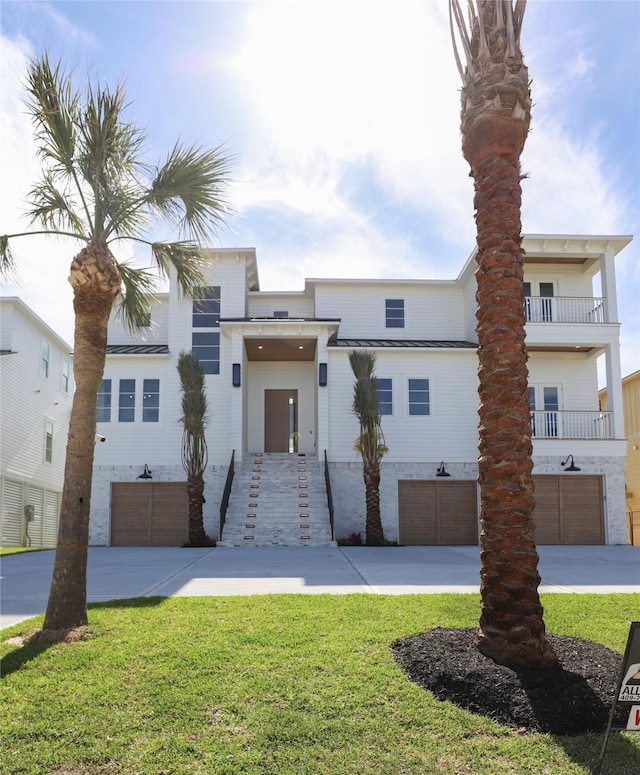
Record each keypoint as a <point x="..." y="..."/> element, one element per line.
<point x="194" y="444"/>
<point x="96" y="188"/>
<point x="496" y="112"/>
<point x="370" y="443"/>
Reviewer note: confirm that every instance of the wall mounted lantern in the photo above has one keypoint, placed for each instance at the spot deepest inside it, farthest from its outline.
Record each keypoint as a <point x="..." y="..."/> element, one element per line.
<point x="441" y="470"/>
<point x="322" y="374"/>
<point x="572" y="466"/>
<point x="146" y="474"/>
<point x="236" y="375"/>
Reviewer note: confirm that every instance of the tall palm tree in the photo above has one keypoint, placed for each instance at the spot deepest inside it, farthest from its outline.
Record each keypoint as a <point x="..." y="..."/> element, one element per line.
<point x="194" y="443"/>
<point x="96" y="188"/>
<point x="496" y="112"/>
<point x="370" y="442"/>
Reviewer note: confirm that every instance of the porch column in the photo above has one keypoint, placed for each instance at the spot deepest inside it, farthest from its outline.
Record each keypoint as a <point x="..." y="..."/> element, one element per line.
<point x="608" y="283"/>
<point x="614" y="389"/>
<point x="322" y="404"/>
<point x="236" y="414"/>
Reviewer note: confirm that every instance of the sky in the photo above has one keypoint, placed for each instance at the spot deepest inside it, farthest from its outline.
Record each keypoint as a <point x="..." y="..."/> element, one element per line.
<point x="342" y="118"/>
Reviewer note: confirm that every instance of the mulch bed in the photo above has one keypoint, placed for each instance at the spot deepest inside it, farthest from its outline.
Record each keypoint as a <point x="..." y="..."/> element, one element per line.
<point x="572" y="699"/>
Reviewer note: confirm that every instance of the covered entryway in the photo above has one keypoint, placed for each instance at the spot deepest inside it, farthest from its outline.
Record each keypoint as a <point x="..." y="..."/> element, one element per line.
<point x="569" y="509"/>
<point x="435" y="513"/>
<point x="149" y="513"/>
<point x="280" y="420"/>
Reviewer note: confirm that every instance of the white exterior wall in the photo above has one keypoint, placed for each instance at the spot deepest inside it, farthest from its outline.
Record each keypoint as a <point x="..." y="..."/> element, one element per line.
<point x="291" y="375"/>
<point x="28" y="401"/>
<point x="575" y="375"/>
<point x="448" y="433"/>
<point x="264" y="305"/>
<point x="156" y="333"/>
<point x="431" y="310"/>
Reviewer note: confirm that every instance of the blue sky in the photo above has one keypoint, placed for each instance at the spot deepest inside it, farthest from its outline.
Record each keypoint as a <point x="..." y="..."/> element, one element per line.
<point x="343" y="118"/>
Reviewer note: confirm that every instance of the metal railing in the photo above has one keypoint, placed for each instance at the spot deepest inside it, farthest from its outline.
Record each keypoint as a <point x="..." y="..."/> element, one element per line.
<point x="566" y="309"/>
<point x="571" y="425"/>
<point x="225" y="495"/>
<point x="327" y="481"/>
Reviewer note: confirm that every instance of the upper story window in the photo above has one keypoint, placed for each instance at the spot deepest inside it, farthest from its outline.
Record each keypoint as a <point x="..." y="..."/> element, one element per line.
<point x="48" y="441"/>
<point x="64" y="377"/>
<point x="205" y="345"/>
<point x="45" y="355"/>
<point x="385" y="396"/>
<point x="104" y="401"/>
<point x="419" y="397"/>
<point x="281" y="313"/>
<point x="394" y="313"/>
<point x="127" y="401"/>
<point x="206" y="308"/>
<point x="150" y="400"/>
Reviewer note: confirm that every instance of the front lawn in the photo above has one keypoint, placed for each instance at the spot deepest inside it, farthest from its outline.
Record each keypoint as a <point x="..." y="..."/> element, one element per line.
<point x="278" y="684"/>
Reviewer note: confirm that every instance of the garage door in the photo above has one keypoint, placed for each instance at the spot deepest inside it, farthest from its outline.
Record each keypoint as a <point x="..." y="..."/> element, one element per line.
<point x="437" y="513"/>
<point x="569" y="510"/>
<point x="149" y="513"/>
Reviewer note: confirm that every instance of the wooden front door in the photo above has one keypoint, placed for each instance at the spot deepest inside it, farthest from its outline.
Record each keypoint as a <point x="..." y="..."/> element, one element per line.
<point x="280" y="420"/>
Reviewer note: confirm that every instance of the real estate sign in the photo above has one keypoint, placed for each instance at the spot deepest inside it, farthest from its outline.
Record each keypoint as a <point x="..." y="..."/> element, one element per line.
<point x="629" y="686"/>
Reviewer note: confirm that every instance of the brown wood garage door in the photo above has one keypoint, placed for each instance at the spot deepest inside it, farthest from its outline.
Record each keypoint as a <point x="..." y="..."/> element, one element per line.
<point x="149" y="513"/>
<point x="569" y="510"/>
<point x="437" y="513"/>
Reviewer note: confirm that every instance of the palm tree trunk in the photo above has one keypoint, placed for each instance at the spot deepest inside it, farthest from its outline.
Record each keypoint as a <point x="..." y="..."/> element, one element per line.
<point x="374" y="535"/>
<point x="195" y="492"/>
<point x="511" y="625"/>
<point x="96" y="282"/>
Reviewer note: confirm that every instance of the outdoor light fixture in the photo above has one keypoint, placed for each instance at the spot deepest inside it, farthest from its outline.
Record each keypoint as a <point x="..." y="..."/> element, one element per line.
<point x="572" y="466"/>
<point x="146" y="474"/>
<point x="441" y="470"/>
<point x="236" y="375"/>
<point x="322" y="374"/>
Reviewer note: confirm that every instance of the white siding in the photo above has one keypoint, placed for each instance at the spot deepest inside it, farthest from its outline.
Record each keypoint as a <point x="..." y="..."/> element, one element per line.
<point x="156" y="333"/>
<point x="449" y="432"/>
<point x="432" y="310"/>
<point x="264" y="305"/>
<point x="574" y="373"/>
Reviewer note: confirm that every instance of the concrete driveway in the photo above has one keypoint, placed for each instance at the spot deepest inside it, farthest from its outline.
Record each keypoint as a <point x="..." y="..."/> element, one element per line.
<point x="125" y="572"/>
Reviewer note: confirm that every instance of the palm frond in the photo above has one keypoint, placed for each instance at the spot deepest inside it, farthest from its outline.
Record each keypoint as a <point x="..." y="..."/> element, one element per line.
<point x="366" y="406"/>
<point x="54" y="108"/>
<point x="189" y="261"/>
<point x="52" y="209"/>
<point x="139" y="293"/>
<point x="7" y="260"/>
<point x="189" y="191"/>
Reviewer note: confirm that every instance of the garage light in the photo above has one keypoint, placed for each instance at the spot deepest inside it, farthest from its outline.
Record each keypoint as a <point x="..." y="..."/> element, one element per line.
<point x="441" y="470"/>
<point x="572" y="466"/>
<point x="146" y="474"/>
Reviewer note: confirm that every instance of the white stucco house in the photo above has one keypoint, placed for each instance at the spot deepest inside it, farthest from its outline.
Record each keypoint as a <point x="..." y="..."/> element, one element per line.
<point x="279" y="387"/>
<point x="36" y="392"/>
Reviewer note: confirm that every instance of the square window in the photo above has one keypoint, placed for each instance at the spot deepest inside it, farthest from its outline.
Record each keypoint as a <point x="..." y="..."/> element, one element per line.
<point x="104" y="401"/>
<point x="394" y="313"/>
<point x="127" y="401"/>
<point x="151" y="400"/>
<point x="419" y="397"/>
<point x="205" y="345"/>
<point x="206" y="307"/>
<point x="385" y="396"/>
<point x="48" y="441"/>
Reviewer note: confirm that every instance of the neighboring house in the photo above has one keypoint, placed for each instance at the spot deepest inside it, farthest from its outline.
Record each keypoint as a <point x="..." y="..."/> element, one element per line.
<point x="36" y="390"/>
<point x="631" y="399"/>
<point x="278" y="380"/>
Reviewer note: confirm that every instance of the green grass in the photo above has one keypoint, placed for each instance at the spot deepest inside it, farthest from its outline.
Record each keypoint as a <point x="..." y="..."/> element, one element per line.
<point x="20" y="549"/>
<point x="282" y="684"/>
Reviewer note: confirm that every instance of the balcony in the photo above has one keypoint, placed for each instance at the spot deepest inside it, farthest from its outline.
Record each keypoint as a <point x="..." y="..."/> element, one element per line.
<point x="566" y="309"/>
<point x="571" y="425"/>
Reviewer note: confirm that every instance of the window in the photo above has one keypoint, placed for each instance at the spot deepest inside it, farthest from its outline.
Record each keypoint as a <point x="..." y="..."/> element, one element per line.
<point x="48" y="441"/>
<point x="44" y="359"/>
<point x="385" y="396"/>
<point x="394" y="313"/>
<point x="127" y="401"/>
<point x="64" y="379"/>
<point x="544" y="413"/>
<point x="206" y="308"/>
<point x="104" y="401"/>
<point x="205" y="345"/>
<point x="151" y="400"/>
<point x="281" y="313"/>
<point x="419" y="397"/>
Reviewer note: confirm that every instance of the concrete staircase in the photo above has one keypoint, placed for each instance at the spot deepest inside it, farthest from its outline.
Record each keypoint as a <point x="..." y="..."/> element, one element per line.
<point x="278" y="499"/>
